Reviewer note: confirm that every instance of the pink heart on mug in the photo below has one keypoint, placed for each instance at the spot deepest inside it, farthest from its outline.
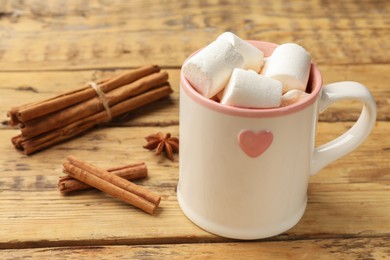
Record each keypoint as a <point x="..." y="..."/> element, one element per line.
<point x="254" y="144"/>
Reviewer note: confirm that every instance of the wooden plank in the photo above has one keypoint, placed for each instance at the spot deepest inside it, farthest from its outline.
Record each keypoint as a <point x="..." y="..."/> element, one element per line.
<point x="68" y="35"/>
<point x="18" y="88"/>
<point x="373" y="77"/>
<point x="338" y="249"/>
<point x="369" y="163"/>
<point x="22" y="88"/>
<point x="345" y="199"/>
<point x="128" y="142"/>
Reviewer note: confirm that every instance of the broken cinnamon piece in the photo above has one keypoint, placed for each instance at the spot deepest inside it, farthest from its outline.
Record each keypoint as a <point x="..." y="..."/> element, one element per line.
<point x="111" y="184"/>
<point x="129" y="172"/>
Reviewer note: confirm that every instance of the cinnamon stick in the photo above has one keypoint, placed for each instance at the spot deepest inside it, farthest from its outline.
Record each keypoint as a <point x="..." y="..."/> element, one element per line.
<point x="82" y="110"/>
<point x="31" y="145"/>
<point x="129" y="172"/>
<point x="65" y="116"/>
<point x="30" y="111"/>
<point x="111" y="184"/>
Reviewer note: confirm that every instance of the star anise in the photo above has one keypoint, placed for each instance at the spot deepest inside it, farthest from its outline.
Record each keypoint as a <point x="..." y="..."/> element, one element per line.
<point x="168" y="144"/>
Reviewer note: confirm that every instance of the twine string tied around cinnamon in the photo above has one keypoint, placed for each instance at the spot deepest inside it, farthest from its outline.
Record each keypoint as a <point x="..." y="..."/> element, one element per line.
<point x="102" y="98"/>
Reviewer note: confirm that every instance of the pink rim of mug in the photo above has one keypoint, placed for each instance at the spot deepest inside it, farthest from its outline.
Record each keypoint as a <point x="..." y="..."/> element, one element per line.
<point x="315" y="80"/>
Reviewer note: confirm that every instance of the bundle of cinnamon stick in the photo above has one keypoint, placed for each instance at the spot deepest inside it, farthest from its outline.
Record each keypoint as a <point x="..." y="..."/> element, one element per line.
<point x="51" y="121"/>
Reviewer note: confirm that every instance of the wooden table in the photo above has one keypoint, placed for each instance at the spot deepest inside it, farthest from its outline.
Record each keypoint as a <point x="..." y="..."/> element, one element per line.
<point x="48" y="47"/>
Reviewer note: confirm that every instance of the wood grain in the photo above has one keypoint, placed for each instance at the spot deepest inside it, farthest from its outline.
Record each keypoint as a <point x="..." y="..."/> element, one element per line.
<point x="338" y="249"/>
<point x="70" y="33"/>
<point x="23" y="87"/>
<point x="345" y="199"/>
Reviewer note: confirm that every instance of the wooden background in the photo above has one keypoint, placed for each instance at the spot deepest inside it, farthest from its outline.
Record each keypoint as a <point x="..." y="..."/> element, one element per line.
<point x="48" y="47"/>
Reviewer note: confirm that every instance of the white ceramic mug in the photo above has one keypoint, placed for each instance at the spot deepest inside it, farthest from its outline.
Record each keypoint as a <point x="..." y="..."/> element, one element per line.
<point x="244" y="173"/>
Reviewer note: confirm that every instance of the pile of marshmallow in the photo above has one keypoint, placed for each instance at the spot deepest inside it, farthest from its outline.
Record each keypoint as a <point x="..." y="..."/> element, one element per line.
<point x="235" y="73"/>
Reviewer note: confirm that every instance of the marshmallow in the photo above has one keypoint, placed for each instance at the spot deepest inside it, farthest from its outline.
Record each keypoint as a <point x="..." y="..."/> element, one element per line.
<point x="253" y="57"/>
<point x="265" y="66"/>
<point x="293" y="96"/>
<point x="209" y="70"/>
<point x="289" y="63"/>
<point x="248" y="89"/>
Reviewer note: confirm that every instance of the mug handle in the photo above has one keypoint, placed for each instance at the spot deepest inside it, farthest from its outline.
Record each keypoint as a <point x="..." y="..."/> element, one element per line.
<point x="347" y="142"/>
